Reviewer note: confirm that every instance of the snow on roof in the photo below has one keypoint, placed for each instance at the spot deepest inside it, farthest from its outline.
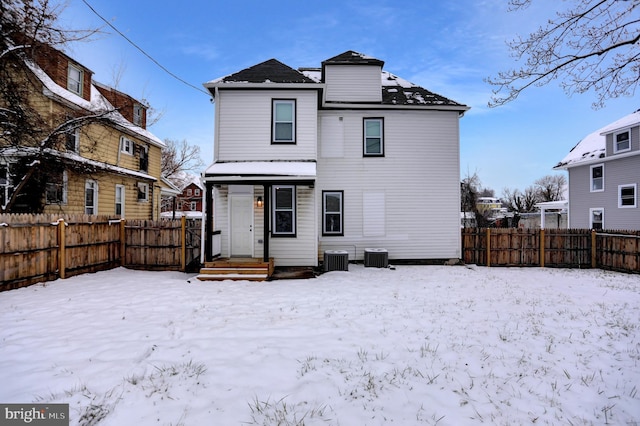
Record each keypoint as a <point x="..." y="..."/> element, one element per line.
<point x="263" y="168"/>
<point x="593" y="146"/>
<point x="76" y="158"/>
<point x="98" y="104"/>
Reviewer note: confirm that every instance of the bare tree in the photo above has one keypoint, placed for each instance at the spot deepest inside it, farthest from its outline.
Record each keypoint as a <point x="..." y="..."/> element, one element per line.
<point x="593" y="45"/>
<point x="550" y="187"/>
<point x="28" y="31"/>
<point x="179" y="157"/>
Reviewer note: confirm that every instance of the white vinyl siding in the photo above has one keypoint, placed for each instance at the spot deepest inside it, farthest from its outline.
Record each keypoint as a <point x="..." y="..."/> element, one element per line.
<point x="412" y="194"/>
<point x="353" y="83"/>
<point x="244" y="126"/>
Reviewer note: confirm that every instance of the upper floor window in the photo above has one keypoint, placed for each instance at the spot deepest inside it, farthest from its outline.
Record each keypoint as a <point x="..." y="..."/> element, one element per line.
<point x="627" y="196"/>
<point x="332" y="217"/>
<point x="56" y="189"/>
<point x="284" y="211"/>
<point x="72" y="140"/>
<point x="596" y="218"/>
<point x="74" y="79"/>
<point x="193" y="205"/>
<point x="143" y="191"/>
<point x="284" y="121"/>
<point x="196" y="192"/>
<point x="126" y="145"/>
<point x="597" y="178"/>
<point x="621" y="142"/>
<point x="189" y="192"/>
<point x="373" y="137"/>
<point x="137" y="115"/>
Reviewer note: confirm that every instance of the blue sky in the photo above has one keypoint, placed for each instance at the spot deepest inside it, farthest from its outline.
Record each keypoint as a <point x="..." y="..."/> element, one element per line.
<point x="446" y="47"/>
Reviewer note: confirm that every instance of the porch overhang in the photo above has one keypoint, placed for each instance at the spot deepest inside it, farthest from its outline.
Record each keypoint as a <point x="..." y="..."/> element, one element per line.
<point x="261" y="172"/>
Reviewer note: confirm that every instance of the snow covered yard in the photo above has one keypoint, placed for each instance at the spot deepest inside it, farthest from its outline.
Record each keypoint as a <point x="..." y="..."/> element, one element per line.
<point x="446" y="345"/>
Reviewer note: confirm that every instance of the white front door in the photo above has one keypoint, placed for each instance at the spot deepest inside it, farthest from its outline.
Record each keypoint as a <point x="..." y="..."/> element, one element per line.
<point x="241" y="218"/>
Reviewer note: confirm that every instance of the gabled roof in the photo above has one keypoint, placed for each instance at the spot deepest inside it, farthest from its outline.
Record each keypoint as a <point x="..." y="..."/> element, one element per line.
<point x="395" y="90"/>
<point x="271" y="71"/>
<point x="593" y="146"/>
<point x="351" y="57"/>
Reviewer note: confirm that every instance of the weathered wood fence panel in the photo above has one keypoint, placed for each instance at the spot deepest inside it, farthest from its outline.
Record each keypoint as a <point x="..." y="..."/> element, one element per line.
<point x="37" y="248"/>
<point x="567" y="248"/>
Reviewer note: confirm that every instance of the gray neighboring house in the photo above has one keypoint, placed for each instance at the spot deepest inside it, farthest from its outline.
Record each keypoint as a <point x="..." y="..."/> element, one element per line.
<point x="604" y="175"/>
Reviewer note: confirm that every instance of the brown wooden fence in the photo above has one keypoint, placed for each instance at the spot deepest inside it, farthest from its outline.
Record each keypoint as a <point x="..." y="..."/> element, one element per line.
<point x="567" y="248"/>
<point x="36" y="248"/>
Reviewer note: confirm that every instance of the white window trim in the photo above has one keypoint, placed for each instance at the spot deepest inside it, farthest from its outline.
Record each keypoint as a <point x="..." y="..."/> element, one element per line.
<point x="76" y="139"/>
<point x="70" y="81"/>
<point x="146" y="192"/>
<point x="635" y="196"/>
<point x="122" y="201"/>
<point x="126" y="145"/>
<point x="95" y="196"/>
<point x="7" y="185"/>
<point x="591" y="177"/>
<point x="591" y="211"/>
<point x="324" y="213"/>
<point x="615" y="142"/>
<point x="364" y="137"/>
<point x="274" y="121"/>
<point x="293" y="209"/>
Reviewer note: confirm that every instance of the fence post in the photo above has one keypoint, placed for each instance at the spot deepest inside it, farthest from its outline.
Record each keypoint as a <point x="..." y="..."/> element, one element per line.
<point x="488" y="247"/>
<point x="542" y="248"/>
<point x="593" y="248"/>
<point x="183" y="244"/>
<point x="122" y="242"/>
<point x="62" y="257"/>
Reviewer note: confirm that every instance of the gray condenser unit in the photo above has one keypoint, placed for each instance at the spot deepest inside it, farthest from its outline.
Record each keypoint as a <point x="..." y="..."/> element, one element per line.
<point x="336" y="260"/>
<point x="376" y="258"/>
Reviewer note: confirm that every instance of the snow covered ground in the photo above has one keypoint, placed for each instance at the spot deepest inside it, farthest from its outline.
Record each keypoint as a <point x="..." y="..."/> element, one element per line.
<point x="446" y="345"/>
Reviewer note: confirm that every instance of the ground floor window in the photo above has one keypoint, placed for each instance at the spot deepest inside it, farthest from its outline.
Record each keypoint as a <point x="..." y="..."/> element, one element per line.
<point x="332" y="217"/>
<point x="5" y="185"/>
<point x="596" y="218"/>
<point x="91" y="197"/>
<point x="56" y="189"/>
<point x="119" y="200"/>
<point x="284" y="210"/>
<point x="143" y="191"/>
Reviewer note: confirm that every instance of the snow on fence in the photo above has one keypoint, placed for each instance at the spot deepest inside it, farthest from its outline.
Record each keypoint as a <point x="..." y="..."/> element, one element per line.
<point x="44" y="247"/>
<point x="566" y="248"/>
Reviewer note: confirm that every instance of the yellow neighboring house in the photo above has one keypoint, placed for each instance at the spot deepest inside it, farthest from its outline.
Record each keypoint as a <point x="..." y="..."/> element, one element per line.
<point x="107" y="167"/>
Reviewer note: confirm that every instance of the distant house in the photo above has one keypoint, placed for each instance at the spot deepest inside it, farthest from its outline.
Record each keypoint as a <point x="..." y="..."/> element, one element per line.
<point x="343" y="157"/>
<point x="107" y="168"/>
<point x="604" y="174"/>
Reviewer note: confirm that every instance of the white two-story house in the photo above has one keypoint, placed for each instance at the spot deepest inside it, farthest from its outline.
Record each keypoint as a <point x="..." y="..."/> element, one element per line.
<point x="604" y="175"/>
<point x="342" y="157"/>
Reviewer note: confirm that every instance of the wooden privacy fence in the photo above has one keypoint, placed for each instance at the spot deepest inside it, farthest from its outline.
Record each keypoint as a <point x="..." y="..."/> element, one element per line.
<point x="36" y="248"/>
<point x="567" y="248"/>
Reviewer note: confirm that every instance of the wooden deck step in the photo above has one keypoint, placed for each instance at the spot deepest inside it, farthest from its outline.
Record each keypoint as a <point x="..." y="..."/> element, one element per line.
<point x="248" y="269"/>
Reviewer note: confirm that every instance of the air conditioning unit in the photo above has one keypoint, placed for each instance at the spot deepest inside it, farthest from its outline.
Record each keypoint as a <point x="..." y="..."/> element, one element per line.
<point x="376" y="257"/>
<point x="336" y="260"/>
